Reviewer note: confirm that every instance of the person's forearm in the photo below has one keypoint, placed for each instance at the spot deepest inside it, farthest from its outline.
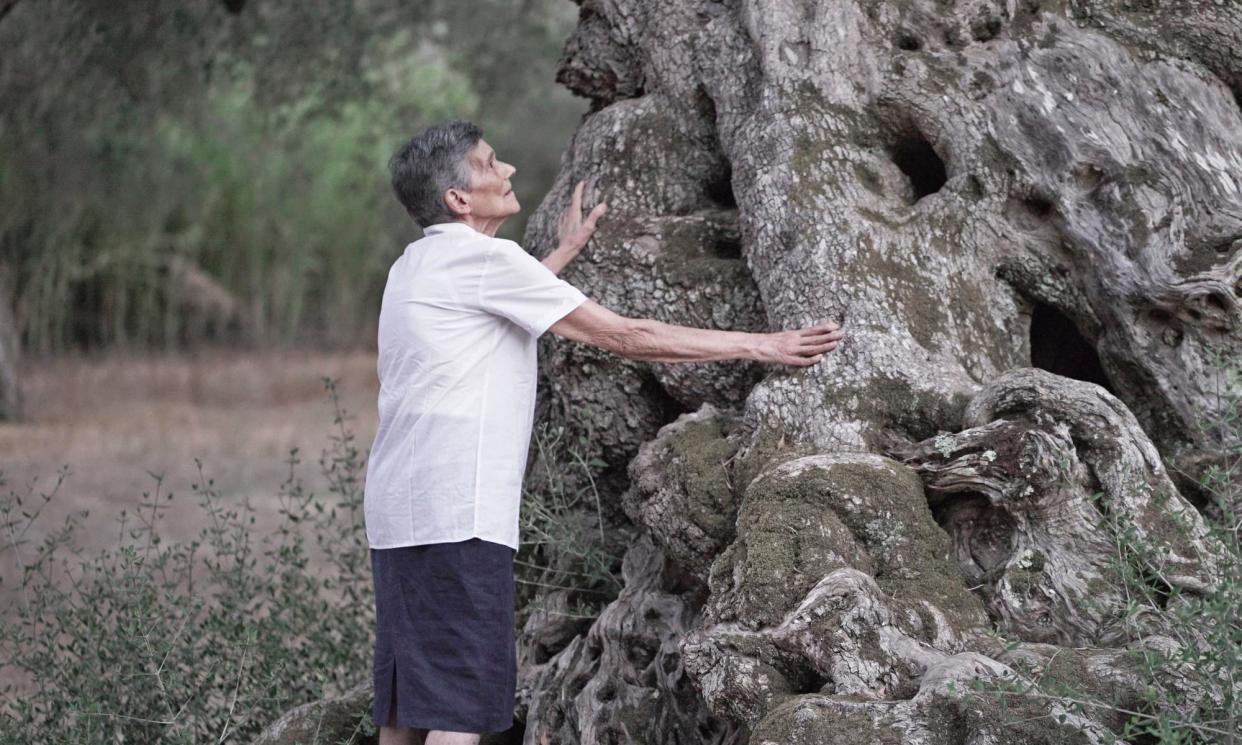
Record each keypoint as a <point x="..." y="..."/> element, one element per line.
<point x="655" y="341"/>
<point x="559" y="259"/>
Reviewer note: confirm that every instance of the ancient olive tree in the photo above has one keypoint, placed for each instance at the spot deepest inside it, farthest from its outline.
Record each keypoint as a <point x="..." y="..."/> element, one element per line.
<point x="1027" y="216"/>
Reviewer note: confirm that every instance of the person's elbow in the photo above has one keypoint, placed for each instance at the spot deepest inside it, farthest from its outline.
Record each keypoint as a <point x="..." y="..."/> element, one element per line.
<point x="592" y="323"/>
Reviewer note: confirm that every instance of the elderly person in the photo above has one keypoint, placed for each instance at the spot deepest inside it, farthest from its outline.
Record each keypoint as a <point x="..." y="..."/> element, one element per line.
<point x="458" y="325"/>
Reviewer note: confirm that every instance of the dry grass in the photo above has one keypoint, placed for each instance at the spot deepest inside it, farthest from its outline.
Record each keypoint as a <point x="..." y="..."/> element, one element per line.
<point x="113" y="419"/>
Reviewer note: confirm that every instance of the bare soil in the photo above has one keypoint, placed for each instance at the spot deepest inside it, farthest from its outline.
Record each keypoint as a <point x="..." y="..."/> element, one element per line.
<point x="115" y="420"/>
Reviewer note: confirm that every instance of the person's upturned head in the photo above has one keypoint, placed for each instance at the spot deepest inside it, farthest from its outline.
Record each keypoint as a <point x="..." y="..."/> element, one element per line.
<point x="448" y="173"/>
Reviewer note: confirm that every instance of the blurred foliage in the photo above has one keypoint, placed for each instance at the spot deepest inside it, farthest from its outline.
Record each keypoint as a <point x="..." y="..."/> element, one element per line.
<point x="141" y="138"/>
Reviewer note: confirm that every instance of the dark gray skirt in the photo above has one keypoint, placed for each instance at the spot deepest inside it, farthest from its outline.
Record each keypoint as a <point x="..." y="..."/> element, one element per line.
<point x="444" y="647"/>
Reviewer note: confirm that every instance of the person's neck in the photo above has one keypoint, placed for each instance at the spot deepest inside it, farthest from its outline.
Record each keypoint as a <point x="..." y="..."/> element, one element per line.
<point x="487" y="226"/>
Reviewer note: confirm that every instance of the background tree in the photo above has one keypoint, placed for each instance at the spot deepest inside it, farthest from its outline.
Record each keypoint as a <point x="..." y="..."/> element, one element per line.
<point x="172" y="171"/>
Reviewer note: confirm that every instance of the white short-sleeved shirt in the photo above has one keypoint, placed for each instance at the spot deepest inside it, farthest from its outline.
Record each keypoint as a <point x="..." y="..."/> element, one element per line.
<point x="458" y="325"/>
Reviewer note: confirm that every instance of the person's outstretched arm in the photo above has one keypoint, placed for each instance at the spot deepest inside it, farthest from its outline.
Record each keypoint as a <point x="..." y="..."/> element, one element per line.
<point x="655" y="341"/>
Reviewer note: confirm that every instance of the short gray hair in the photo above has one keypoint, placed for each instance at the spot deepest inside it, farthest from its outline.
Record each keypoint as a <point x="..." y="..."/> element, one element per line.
<point x="431" y="163"/>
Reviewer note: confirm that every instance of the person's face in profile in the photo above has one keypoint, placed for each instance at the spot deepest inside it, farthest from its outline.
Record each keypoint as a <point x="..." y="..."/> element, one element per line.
<point x="491" y="195"/>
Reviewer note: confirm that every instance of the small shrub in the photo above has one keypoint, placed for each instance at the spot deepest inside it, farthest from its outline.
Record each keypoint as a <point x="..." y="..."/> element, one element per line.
<point x="563" y="546"/>
<point x="210" y="640"/>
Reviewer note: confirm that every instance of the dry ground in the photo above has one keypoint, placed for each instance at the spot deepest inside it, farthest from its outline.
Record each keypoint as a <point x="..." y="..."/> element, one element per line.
<point x="113" y="419"/>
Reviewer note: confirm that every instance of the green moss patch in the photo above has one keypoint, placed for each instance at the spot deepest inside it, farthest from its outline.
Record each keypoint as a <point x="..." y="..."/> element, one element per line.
<point x="815" y="720"/>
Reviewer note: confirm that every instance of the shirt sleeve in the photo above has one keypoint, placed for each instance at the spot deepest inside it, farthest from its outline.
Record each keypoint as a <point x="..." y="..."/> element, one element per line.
<point x="519" y="287"/>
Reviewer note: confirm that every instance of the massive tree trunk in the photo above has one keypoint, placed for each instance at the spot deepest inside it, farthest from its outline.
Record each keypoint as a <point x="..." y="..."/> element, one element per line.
<point x="975" y="191"/>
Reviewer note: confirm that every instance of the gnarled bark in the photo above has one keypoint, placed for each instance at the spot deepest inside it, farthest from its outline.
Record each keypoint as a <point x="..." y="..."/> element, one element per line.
<point x="974" y="190"/>
<point x="1026" y="490"/>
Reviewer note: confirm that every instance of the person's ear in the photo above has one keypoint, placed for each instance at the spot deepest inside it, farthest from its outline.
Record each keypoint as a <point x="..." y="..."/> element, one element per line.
<point x="457" y="202"/>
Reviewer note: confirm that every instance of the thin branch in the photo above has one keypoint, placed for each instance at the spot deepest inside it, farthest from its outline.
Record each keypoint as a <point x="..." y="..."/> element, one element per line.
<point x="241" y="672"/>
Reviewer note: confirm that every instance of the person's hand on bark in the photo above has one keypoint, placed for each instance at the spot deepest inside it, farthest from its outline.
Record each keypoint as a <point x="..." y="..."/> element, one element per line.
<point x="574" y="231"/>
<point x="799" y="347"/>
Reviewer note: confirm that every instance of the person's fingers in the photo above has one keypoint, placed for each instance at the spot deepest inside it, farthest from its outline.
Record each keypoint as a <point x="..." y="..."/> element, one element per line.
<point x="805" y="344"/>
<point x="817" y="344"/>
<point x="818" y="329"/>
<point x="822" y="340"/>
<point x="804" y="361"/>
<point x="801" y="350"/>
<point x="817" y="336"/>
<point x="575" y="202"/>
<point x="596" y="213"/>
<point x="814" y="349"/>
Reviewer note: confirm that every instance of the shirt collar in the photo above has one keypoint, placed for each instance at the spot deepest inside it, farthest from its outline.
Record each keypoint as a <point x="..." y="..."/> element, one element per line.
<point x="450" y="227"/>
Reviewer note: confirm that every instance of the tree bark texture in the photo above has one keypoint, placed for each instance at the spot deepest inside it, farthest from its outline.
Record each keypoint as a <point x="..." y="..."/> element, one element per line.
<point x="1027" y="217"/>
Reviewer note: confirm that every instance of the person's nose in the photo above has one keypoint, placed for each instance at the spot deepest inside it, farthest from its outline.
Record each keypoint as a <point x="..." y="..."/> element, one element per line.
<point x="510" y="169"/>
